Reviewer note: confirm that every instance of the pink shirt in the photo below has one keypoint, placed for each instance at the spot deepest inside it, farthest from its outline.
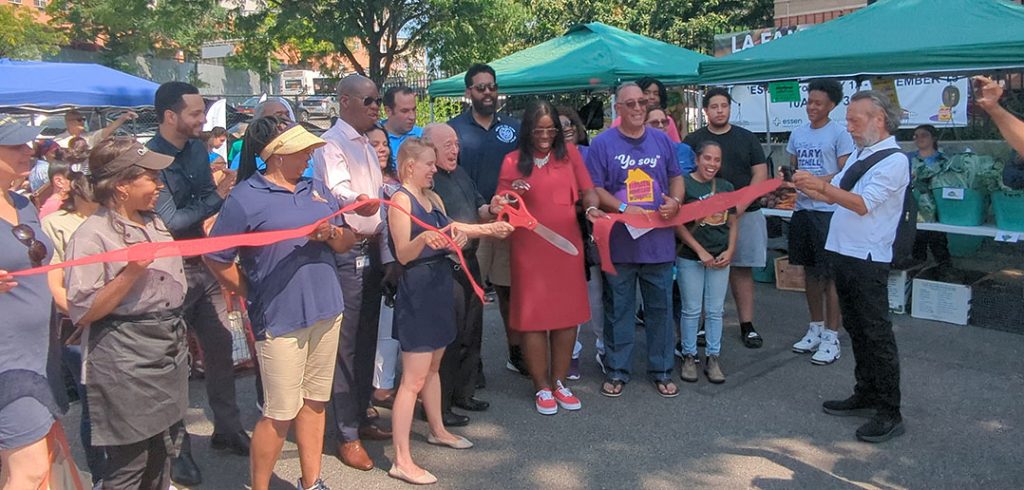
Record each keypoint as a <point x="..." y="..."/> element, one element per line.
<point x="672" y="130"/>
<point x="51" y="205"/>
<point x="349" y="167"/>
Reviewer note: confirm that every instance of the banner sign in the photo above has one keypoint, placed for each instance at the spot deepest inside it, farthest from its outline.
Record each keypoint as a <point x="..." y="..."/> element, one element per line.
<point x="734" y="42"/>
<point x="924" y="100"/>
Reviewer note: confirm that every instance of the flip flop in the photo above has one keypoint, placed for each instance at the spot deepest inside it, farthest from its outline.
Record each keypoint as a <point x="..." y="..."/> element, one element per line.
<point x="616" y="390"/>
<point x="662" y="387"/>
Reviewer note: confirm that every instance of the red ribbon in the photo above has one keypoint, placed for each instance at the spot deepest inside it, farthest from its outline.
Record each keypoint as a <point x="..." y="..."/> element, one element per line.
<point x="687" y="213"/>
<point x="201" y="246"/>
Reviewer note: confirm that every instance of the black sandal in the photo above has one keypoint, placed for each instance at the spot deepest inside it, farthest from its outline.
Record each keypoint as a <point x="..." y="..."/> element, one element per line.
<point x="751" y="339"/>
<point x="616" y="390"/>
<point x="662" y="385"/>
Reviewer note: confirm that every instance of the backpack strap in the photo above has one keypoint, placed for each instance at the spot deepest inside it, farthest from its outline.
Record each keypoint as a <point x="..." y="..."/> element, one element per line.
<point x="861" y="167"/>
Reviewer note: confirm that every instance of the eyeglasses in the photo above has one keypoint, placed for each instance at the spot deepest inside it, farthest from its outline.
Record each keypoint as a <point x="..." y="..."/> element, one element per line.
<point x="634" y="103"/>
<point x="368" y="101"/>
<point x="36" y="249"/>
<point x="658" y="123"/>
<point x="545" y="132"/>
<point x="484" y="87"/>
<point x="77" y="119"/>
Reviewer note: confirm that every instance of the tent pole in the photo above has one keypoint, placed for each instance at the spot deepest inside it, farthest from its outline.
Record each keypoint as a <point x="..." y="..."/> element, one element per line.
<point x="768" y="126"/>
<point x="432" y="110"/>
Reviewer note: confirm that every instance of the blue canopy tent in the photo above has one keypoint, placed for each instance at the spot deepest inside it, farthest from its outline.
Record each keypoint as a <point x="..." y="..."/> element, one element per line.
<point x="42" y="85"/>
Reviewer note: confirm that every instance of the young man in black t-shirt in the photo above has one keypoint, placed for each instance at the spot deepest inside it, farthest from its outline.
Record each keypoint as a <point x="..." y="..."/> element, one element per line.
<point x="743" y="164"/>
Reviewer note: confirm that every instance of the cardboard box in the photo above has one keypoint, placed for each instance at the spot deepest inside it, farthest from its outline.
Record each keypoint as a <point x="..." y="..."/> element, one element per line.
<point x="789" y="277"/>
<point x="943" y="294"/>
<point x="900" y="286"/>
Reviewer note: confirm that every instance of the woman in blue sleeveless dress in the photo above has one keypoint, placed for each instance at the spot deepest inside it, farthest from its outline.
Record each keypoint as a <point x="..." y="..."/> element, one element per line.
<point x="424" y="306"/>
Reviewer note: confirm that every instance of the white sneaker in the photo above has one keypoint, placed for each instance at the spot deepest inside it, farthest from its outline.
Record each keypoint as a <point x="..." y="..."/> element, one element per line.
<point x="810" y="341"/>
<point x="828" y="349"/>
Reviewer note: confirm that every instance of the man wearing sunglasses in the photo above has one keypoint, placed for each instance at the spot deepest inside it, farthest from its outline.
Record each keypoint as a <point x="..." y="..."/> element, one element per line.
<point x="485" y="137"/>
<point x="349" y="167"/>
<point x="74" y="121"/>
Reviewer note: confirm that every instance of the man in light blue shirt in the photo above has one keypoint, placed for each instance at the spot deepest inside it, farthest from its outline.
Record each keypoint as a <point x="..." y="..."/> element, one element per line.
<point x="820" y="148"/>
<point x="400" y="106"/>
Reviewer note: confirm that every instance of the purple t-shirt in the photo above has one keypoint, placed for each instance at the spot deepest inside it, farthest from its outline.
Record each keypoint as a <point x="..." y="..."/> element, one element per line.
<point x="637" y="171"/>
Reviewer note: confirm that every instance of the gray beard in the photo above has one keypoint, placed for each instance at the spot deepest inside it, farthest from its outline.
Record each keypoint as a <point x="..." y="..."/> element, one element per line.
<point x="870" y="138"/>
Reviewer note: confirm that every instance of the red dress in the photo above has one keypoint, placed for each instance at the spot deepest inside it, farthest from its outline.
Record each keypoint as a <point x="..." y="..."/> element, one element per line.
<point x="549" y="288"/>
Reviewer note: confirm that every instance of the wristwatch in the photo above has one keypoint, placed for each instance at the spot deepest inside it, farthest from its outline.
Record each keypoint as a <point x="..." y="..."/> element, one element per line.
<point x="622" y="207"/>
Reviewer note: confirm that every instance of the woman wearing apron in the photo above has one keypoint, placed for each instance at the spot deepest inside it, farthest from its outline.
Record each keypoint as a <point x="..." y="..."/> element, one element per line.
<point x="134" y="367"/>
<point x="424" y="305"/>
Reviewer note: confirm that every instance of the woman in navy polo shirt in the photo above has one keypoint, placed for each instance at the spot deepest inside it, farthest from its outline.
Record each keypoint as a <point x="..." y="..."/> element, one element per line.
<point x="291" y="289"/>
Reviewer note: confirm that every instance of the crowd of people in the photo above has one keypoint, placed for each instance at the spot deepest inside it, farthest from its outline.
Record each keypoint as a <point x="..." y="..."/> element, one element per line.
<point x="373" y="309"/>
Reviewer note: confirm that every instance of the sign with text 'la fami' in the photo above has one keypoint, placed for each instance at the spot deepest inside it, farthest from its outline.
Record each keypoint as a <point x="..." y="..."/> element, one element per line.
<point x="734" y="42"/>
<point x="925" y="100"/>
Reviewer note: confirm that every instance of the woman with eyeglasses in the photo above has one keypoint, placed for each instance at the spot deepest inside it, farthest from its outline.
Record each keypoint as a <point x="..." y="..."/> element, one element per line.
<point x="925" y="162"/>
<point x="28" y="407"/>
<point x="135" y="370"/>
<point x="658" y="119"/>
<point x="549" y="289"/>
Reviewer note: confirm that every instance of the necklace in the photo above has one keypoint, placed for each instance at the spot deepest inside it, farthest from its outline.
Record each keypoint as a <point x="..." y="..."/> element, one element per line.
<point x="541" y="162"/>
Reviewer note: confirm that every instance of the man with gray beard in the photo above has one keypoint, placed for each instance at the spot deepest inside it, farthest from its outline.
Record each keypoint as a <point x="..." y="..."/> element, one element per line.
<point x="869" y="192"/>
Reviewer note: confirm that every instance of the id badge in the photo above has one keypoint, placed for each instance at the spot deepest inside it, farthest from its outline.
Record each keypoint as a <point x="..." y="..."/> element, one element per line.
<point x="361" y="262"/>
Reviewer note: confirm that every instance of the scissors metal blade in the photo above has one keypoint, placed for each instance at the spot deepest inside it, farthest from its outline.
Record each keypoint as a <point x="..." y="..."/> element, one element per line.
<point x="555" y="239"/>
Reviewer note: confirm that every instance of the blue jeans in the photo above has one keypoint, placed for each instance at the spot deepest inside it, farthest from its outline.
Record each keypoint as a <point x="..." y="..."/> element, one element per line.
<point x="701" y="286"/>
<point x="620" y="319"/>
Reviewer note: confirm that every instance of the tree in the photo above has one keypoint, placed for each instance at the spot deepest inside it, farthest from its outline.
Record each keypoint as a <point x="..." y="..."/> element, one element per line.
<point x="127" y="27"/>
<point x="23" y="37"/>
<point x="369" y="36"/>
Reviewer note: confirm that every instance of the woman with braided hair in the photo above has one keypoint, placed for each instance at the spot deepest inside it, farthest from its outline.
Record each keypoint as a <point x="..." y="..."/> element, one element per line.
<point x="291" y="290"/>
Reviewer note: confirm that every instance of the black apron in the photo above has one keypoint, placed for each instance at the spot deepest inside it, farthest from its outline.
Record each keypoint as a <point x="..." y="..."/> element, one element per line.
<point x="136" y="375"/>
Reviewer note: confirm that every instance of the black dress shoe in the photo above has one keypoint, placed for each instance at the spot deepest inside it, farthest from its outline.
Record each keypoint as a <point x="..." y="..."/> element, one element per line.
<point x="881" y="428"/>
<point x="472" y="404"/>
<point x="452" y="419"/>
<point x="854" y="406"/>
<point x="237" y="443"/>
<point x="185" y="472"/>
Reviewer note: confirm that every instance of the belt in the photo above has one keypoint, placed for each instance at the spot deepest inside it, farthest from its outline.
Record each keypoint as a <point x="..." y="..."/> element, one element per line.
<point x="156" y="315"/>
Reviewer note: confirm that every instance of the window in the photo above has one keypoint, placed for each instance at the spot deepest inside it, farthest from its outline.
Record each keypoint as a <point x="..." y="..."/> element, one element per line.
<point x="15" y="1"/>
<point x="41" y="4"/>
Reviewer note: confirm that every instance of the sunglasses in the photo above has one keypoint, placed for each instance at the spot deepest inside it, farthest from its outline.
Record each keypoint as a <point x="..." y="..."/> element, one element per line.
<point x="36" y="249"/>
<point x="485" y="87"/>
<point x="634" y="103"/>
<point x="658" y="123"/>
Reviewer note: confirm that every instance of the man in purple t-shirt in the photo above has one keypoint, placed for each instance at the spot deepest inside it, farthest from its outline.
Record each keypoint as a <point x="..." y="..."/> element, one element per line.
<point x="635" y="171"/>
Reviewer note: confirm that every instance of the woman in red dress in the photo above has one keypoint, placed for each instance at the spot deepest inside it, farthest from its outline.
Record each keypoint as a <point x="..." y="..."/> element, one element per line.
<point x="549" y="290"/>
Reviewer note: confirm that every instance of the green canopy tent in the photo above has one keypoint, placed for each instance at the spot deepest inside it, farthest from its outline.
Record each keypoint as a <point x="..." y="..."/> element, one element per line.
<point x="590" y="56"/>
<point x="891" y="37"/>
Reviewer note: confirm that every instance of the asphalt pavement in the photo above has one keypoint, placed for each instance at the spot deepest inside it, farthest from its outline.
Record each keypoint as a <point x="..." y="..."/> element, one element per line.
<point x="963" y="389"/>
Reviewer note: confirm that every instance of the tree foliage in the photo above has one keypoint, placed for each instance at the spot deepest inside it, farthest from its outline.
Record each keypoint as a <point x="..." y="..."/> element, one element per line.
<point x="129" y="27"/>
<point x="22" y="37"/>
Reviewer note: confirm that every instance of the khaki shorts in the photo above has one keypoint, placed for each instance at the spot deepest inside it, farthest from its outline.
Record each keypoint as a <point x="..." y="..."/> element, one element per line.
<point x="298" y="366"/>
<point x="493" y="256"/>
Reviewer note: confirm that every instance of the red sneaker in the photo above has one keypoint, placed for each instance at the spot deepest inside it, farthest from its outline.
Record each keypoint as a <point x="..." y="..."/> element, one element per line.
<point x="565" y="398"/>
<point x="546" y="404"/>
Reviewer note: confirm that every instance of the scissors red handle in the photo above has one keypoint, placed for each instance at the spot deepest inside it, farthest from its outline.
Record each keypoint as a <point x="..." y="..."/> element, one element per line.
<point x="515" y="212"/>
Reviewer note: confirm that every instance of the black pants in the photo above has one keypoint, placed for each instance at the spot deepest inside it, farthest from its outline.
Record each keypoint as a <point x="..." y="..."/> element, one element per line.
<point x="361" y="273"/>
<point x="462" y="357"/>
<point x="934" y="240"/>
<point x="864" y="302"/>
<point x="206" y="314"/>
<point x="144" y="465"/>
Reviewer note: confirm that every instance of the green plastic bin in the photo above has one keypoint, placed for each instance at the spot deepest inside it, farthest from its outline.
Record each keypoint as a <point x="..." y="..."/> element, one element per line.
<point x="967" y="212"/>
<point x="964" y="245"/>
<point x="1009" y="211"/>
